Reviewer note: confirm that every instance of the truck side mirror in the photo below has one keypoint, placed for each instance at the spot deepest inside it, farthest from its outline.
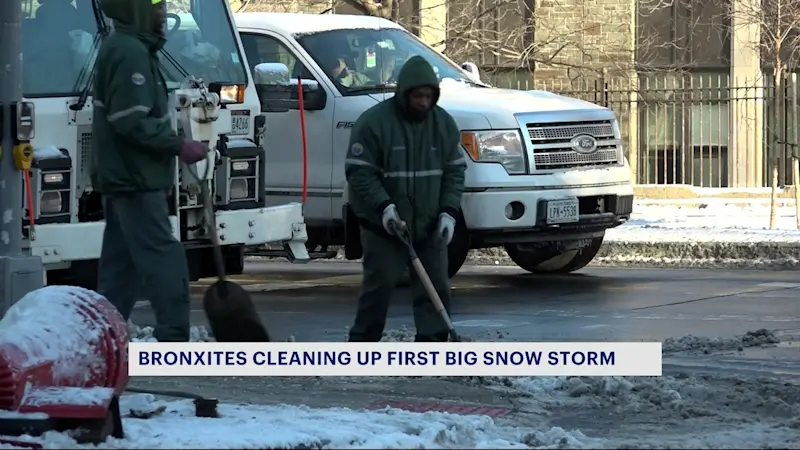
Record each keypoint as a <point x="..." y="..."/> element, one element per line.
<point x="273" y="85"/>
<point x="472" y="70"/>
<point x="277" y="91"/>
<point x="314" y="97"/>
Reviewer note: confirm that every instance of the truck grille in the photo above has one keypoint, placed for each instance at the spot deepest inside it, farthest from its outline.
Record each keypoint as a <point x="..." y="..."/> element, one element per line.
<point x="552" y="149"/>
<point x="84" y="157"/>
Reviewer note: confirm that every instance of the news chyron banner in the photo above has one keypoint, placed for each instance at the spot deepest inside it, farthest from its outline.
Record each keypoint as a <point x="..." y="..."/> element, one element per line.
<point x="394" y="359"/>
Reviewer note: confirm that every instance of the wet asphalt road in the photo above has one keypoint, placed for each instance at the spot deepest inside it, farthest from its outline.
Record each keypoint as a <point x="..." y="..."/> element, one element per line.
<point x="316" y="302"/>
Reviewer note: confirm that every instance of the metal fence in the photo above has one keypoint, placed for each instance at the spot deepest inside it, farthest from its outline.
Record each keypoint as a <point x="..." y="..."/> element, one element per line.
<point x="697" y="129"/>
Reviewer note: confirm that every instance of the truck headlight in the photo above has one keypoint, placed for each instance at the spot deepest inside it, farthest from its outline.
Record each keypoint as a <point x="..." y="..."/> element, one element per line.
<point x="243" y="173"/>
<point x="239" y="189"/>
<point x="50" y="187"/>
<point x="52" y="178"/>
<point x="239" y="178"/>
<point x="240" y="166"/>
<point x="496" y="146"/>
<point x="229" y="93"/>
<point x="51" y="202"/>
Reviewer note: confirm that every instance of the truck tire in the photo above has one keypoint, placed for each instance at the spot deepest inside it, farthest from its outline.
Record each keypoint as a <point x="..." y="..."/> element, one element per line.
<point x="458" y="250"/>
<point x="544" y="263"/>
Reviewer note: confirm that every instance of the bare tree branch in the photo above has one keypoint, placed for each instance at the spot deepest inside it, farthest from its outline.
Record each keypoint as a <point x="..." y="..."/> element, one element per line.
<point x="775" y="25"/>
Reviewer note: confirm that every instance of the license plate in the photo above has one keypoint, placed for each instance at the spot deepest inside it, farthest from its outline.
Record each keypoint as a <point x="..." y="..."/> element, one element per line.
<point x="240" y="123"/>
<point x="562" y="211"/>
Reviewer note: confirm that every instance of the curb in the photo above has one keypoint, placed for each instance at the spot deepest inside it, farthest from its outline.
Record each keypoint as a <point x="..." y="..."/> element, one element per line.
<point x="689" y="255"/>
<point x="674" y="255"/>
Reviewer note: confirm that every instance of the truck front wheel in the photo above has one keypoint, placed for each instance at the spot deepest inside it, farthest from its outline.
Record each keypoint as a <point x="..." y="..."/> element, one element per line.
<point x="458" y="250"/>
<point x="544" y="262"/>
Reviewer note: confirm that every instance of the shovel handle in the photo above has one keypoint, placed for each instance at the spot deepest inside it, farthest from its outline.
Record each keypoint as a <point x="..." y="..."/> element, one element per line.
<point x="431" y="290"/>
<point x="402" y="233"/>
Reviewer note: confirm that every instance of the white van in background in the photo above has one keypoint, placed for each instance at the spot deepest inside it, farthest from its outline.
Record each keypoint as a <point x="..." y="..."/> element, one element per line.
<point x="546" y="175"/>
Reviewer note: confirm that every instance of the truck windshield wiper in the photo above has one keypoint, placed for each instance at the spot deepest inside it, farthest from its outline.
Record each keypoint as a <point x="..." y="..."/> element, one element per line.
<point x="102" y="32"/>
<point x="183" y="72"/>
<point x="472" y="82"/>
<point x="376" y="87"/>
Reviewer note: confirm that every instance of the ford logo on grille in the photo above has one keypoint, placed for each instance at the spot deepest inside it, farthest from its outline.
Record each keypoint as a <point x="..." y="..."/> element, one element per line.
<point x="584" y="144"/>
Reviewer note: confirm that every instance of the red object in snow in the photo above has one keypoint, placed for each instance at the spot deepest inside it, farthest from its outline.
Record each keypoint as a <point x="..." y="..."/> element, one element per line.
<point x="63" y="353"/>
<point x="302" y="107"/>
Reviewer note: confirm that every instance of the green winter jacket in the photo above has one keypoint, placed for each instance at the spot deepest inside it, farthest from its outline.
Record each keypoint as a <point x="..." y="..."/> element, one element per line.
<point x="418" y="166"/>
<point x="133" y="146"/>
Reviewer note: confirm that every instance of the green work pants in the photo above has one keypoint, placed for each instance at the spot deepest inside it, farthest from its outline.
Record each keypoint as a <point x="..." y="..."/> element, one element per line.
<point x="385" y="261"/>
<point x="139" y="251"/>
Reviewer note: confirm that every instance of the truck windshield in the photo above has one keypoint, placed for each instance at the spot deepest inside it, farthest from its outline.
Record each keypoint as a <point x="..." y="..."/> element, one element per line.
<point x="361" y="60"/>
<point x="60" y="46"/>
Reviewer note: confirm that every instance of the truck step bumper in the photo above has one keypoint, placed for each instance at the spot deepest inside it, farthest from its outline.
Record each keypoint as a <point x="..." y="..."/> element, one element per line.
<point x="60" y="244"/>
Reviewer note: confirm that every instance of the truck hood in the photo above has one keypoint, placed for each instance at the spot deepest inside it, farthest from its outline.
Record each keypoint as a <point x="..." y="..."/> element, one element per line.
<point x="478" y="107"/>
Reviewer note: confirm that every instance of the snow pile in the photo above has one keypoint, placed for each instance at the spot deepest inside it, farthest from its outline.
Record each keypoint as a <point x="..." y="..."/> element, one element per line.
<point x="145" y="334"/>
<point x="196" y="334"/>
<point x="173" y="425"/>
<point x="404" y="334"/>
<point x="47" y="152"/>
<point x="693" y="344"/>
<point x="667" y="412"/>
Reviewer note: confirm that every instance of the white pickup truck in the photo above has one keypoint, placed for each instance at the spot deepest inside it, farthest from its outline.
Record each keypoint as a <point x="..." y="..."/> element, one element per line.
<point x="546" y="176"/>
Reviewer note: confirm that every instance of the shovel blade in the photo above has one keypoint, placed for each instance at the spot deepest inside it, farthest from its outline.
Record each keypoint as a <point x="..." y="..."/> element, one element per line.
<point x="231" y="314"/>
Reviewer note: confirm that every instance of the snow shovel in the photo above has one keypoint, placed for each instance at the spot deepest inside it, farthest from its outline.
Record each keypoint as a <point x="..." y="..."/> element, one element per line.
<point x="401" y="231"/>
<point x="229" y="308"/>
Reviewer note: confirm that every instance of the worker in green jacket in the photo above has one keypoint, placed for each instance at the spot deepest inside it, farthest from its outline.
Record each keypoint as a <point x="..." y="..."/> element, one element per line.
<point x="133" y="167"/>
<point x="405" y="167"/>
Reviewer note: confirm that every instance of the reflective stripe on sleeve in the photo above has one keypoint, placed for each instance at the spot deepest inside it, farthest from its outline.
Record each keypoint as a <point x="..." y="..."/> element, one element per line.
<point x="127" y="112"/>
<point x="416" y="174"/>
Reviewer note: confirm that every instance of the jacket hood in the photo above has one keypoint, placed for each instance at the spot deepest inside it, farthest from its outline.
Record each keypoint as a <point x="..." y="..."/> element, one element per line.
<point x="416" y="72"/>
<point x="135" y="15"/>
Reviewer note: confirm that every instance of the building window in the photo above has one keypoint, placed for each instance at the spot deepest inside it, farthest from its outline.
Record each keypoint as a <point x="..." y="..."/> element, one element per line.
<point x="682" y="33"/>
<point x="684" y="129"/>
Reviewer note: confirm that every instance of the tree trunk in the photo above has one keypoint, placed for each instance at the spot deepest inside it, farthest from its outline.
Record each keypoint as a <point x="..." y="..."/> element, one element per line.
<point x="779" y="116"/>
<point x="796" y="179"/>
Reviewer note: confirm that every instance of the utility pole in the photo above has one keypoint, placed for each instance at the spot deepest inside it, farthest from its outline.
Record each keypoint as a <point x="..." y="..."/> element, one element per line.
<point x="19" y="273"/>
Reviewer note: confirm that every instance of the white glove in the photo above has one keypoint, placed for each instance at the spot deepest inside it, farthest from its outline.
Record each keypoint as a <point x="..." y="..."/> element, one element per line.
<point x="447" y="227"/>
<point x="390" y="215"/>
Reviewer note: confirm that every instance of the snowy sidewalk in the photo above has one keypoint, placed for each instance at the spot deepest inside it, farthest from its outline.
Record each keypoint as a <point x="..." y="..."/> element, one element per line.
<point x="686" y="410"/>
<point x="174" y="425"/>
<point x="715" y="221"/>
<point x="551" y="413"/>
<point x="716" y="233"/>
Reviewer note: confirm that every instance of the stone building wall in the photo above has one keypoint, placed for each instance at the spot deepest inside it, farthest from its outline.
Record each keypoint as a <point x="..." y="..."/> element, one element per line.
<point x="582" y="37"/>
